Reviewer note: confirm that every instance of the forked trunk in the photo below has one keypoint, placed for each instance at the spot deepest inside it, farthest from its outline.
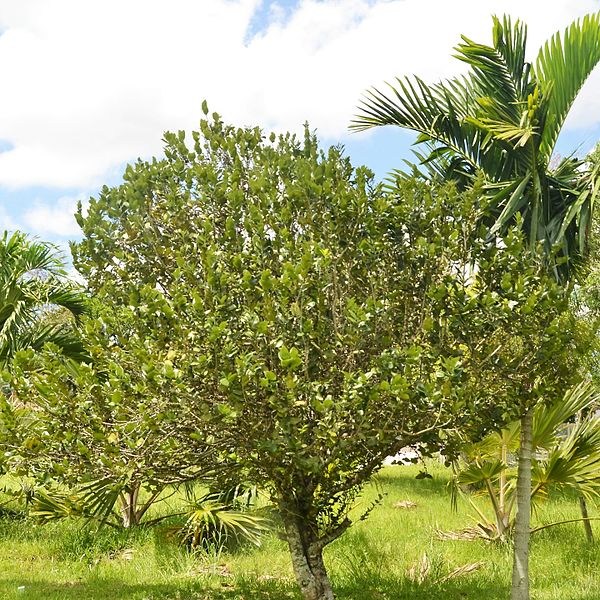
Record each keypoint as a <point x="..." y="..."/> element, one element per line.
<point x="129" y="501"/>
<point x="307" y="561"/>
<point x="520" y="576"/>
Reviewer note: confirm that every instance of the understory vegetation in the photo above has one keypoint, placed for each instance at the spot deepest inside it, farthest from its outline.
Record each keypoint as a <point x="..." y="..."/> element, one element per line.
<point x="399" y="554"/>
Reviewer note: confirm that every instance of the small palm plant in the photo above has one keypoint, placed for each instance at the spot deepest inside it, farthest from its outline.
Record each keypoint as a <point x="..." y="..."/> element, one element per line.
<point x="217" y="519"/>
<point x="113" y="502"/>
<point x="212" y="520"/>
<point x="566" y="438"/>
<point x="32" y="284"/>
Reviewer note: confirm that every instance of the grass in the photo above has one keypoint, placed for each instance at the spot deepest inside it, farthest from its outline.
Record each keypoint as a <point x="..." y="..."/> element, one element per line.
<point x="65" y="561"/>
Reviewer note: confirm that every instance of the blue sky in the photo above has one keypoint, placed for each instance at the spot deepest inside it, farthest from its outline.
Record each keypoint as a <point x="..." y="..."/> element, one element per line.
<point x="89" y="86"/>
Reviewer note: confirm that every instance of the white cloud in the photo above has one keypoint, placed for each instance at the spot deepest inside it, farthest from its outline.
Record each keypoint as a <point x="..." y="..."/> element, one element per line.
<point x="54" y="219"/>
<point x="89" y="85"/>
<point x="7" y="223"/>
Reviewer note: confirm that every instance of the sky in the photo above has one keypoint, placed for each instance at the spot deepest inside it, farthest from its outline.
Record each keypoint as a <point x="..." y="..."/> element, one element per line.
<point x="88" y="86"/>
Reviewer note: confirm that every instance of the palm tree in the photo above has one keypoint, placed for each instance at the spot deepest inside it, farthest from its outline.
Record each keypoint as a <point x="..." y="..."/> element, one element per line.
<point x="32" y="286"/>
<point x="568" y="458"/>
<point x="502" y="121"/>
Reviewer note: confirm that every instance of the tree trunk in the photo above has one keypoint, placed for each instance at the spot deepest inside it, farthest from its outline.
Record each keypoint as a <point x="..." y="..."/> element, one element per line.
<point x="520" y="577"/>
<point x="586" y="523"/>
<point x="307" y="561"/>
<point x="129" y="500"/>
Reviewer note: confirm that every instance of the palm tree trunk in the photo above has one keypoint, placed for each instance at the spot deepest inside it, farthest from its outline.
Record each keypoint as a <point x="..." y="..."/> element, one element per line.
<point x="502" y="489"/>
<point x="520" y="577"/>
<point x="586" y="523"/>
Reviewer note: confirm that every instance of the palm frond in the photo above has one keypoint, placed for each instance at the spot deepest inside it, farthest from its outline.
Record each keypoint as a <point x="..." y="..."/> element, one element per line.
<point x="212" y="521"/>
<point x="568" y="467"/>
<point x="100" y="497"/>
<point x="64" y="337"/>
<point x="548" y="418"/>
<point x="562" y="66"/>
<point x="31" y="281"/>
<point x="499" y="72"/>
<point x="510" y="40"/>
<point x="437" y="113"/>
<point x="55" y="506"/>
<point x="477" y="473"/>
<point x="509" y="199"/>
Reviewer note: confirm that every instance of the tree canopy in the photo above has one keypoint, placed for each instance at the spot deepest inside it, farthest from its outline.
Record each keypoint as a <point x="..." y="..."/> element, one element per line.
<point x="318" y="321"/>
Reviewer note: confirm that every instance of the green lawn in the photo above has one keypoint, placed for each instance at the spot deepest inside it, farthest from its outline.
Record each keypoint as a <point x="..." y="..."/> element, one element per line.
<point x="63" y="561"/>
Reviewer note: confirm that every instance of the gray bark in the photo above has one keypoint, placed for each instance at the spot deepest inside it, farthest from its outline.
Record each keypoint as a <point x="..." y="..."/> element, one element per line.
<point x="520" y="576"/>
<point x="129" y="500"/>
<point x="307" y="561"/>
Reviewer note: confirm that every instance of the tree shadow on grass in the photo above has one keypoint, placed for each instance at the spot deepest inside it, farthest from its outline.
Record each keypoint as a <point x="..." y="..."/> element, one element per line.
<point x="383" y="588"/>
<point x="116" y="589"/>
<point x="402" y="589"/>
<point x="403" y="479"/>
<point x="391" y="589"/>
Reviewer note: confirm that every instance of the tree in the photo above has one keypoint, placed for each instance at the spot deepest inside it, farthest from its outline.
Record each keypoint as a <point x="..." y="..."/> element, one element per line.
<point x="567" y="456"/>
<point x="32" y="285"/>
<point x="107" y="429"/>
<point x="311" y="314"/>
<point x="503" y="120"/>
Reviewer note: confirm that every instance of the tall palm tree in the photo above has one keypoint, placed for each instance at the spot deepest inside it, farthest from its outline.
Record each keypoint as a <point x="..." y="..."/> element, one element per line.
<point x="569" y="441"/>
<point x="502" y="120"/>
<point x="32" y="284"/>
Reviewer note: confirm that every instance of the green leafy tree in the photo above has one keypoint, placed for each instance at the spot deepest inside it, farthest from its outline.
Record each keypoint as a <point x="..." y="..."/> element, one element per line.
<point x="33" y="284"/>
<point x="503" y="120"/>
<point x="107" y="430"/>
<point x="319" y="322"/>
